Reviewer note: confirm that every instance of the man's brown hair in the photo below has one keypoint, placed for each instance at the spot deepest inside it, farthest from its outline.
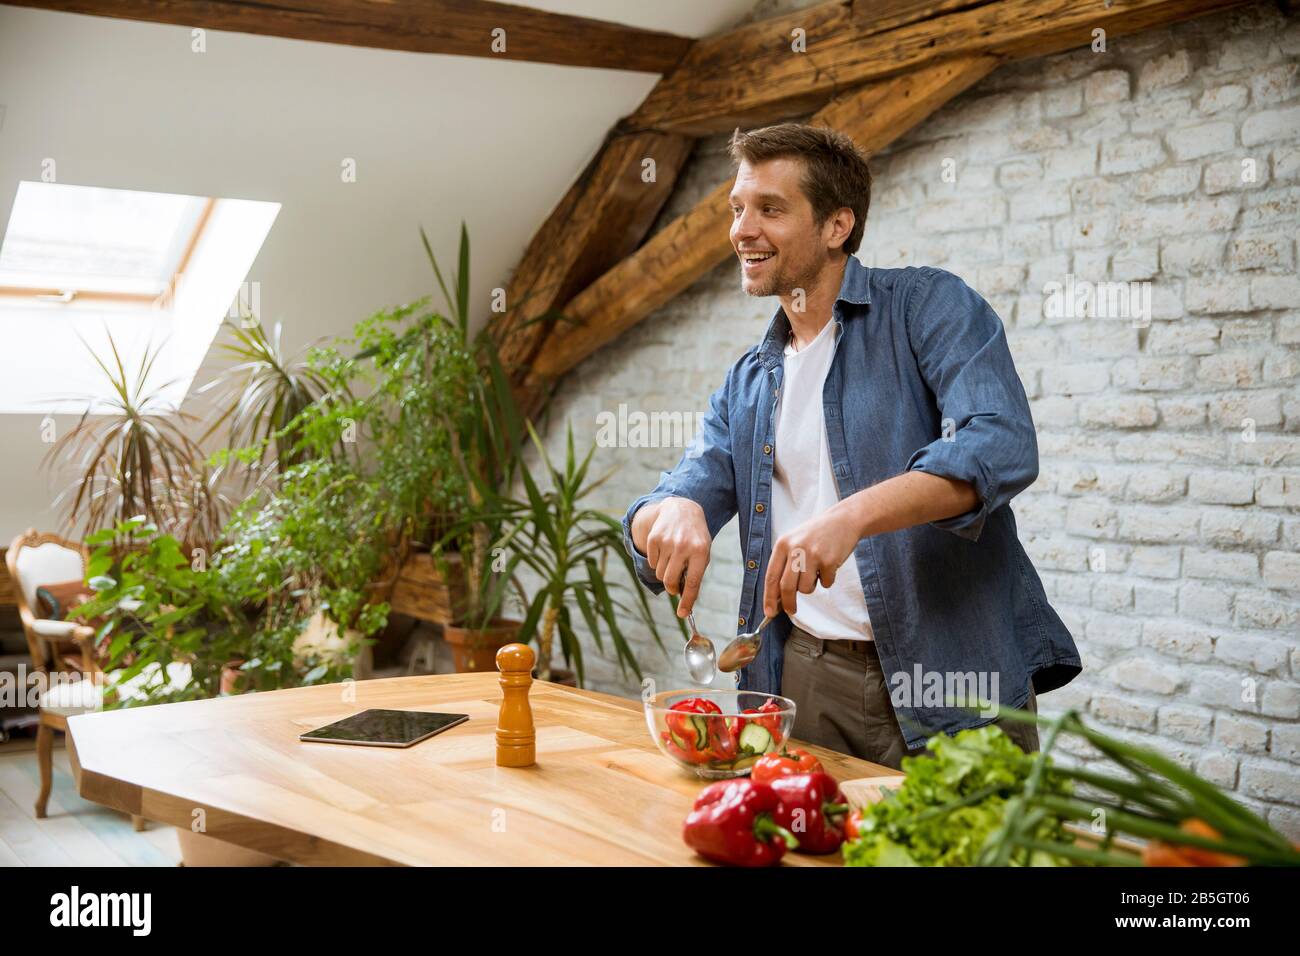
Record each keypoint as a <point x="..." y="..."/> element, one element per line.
<point x="835" y="170"/>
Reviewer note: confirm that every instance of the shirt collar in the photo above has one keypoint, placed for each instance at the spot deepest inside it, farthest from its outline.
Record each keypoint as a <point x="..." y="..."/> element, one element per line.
<point x="855" y="289"/>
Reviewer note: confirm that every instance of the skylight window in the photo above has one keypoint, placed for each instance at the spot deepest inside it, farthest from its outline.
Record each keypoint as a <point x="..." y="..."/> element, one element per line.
<point x="83" y="240"/>
<point x="79" y="264"/>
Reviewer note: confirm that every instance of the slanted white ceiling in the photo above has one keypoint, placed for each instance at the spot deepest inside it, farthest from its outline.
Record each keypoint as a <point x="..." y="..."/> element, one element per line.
<point x="435" y="139"/>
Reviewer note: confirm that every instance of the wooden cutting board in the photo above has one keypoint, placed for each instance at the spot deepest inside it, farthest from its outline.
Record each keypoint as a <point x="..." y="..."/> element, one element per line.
<point x="864" y="791"/>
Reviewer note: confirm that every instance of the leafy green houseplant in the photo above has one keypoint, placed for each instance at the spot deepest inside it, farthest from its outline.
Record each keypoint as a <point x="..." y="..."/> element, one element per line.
<point x="155" y="612"/>
<point x="179" y="583"/>
<point x="488" y="439"/>
<point x="396" y="437"/>
<point x="492" y="436"/>
<point x="404" y="391"/>
<point x="290" y="577"/>
<point x="485" y="443"/>
<point x="566" y="545"/>
<point x="315" y="547"/>
<point x="366" y="425"/>
<point x="400" y="392"/>
<point x="435" y="414"/>
<point x="156" y="607"/>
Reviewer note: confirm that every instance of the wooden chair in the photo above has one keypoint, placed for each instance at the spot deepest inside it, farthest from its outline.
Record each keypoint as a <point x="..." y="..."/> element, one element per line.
<point x="34" y="560"/>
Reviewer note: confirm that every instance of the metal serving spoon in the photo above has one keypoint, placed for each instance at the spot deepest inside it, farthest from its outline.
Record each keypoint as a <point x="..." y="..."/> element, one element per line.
<point x="742" y="650"/>
<point x="698" y="652"/>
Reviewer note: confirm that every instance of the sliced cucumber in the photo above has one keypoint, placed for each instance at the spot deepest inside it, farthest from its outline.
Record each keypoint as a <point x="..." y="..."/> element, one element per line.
<point x="678" y="740"/>
<point x="744" y="763"/>
<point x="701" y="725"/>
<point x="756" y="739"/>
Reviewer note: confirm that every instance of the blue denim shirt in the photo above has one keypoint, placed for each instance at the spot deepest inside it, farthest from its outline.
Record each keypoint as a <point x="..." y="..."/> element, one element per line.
<point x="921" y="379"/>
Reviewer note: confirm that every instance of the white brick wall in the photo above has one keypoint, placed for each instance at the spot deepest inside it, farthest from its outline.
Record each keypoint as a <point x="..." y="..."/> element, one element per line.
<point x="1166" y="519"/>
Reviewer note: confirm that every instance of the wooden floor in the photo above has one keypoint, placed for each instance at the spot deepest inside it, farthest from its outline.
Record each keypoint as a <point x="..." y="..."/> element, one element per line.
<point x="76" y="832"/>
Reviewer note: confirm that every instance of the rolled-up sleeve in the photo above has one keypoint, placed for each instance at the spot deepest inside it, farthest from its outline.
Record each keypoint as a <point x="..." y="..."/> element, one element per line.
<point x="706" y="474"/>
<point x="987" y="434"/>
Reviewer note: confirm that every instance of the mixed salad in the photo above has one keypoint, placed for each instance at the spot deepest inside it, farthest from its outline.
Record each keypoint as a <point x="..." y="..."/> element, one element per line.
<point x="699" y="734"/>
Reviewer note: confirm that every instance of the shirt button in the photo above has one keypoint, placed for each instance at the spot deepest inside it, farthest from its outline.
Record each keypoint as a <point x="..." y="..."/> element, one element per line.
<point x="767" y="449"/>
<point x="751" y="565"/>
<point x="742" y="622"/>
<point x="759" y="507"/>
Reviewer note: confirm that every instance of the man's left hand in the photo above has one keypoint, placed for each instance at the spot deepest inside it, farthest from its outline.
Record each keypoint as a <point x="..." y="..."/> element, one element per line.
<point x="811" y="553"/>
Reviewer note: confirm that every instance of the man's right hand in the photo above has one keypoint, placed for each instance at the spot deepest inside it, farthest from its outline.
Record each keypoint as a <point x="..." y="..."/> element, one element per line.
<point x="674" y="537"/>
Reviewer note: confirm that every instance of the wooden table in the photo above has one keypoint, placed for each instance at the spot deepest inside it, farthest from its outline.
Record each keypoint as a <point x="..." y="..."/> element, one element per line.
<point x="600" y="793"/>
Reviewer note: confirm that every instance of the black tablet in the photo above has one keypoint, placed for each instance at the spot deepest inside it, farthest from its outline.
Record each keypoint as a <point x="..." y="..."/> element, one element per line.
<point x="385" y="728"/>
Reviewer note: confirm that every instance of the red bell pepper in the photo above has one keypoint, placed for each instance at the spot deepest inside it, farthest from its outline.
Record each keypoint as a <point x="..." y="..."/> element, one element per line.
<point x="722" y="745"/>
<point x="685" y="751"/>
<point x="733" y="727"/>
<point x="773" y="766"/>
<point x="813" y="808"/>
<point x="681" y="711"/>
<point x="684" y="738"/>
<point x="773" y="721"/>
<point x="733" y="822"/>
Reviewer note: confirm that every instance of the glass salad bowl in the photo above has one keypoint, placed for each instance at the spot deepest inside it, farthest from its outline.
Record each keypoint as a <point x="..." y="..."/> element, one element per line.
<point x="717" y="734"/>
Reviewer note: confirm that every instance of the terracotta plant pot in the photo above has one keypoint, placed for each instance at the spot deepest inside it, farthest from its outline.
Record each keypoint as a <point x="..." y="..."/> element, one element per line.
<point x="474" y="650"/>
<point x="199" y="849"/>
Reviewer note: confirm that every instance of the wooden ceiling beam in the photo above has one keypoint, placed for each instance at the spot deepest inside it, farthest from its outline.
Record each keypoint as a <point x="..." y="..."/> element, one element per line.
<point x="751" y="76"/>
<point x="459" y="27"/>
<point x="602" y="218"/>
<point x="888" y="14"/>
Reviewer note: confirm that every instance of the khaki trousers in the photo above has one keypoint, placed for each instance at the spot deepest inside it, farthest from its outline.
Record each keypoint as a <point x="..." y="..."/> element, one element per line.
<point x="842" y="701"/>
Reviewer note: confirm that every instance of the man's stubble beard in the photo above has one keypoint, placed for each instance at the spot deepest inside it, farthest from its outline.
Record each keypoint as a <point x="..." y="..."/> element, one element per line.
<point x="779" y="284"/>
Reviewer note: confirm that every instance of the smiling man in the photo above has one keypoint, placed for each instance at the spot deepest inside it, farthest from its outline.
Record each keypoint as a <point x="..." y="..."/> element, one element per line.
<point x="871" y="444"/>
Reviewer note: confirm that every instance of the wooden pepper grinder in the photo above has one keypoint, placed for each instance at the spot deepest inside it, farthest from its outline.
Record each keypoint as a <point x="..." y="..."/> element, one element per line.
<point x="516" y="736"/>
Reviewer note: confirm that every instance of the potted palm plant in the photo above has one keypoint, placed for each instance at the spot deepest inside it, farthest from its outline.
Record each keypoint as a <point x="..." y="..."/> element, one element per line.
<point x="134" y="456"/>
<point x="486" y="444"/>
<point x="262" y="395"/>
<point x="566" y="546"/>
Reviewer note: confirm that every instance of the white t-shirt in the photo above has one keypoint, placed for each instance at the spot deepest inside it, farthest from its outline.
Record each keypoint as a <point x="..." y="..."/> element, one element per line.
<point x="804" y="487"/>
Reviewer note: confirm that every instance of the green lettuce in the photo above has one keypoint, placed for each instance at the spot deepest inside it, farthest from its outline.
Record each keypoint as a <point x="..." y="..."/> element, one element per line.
<point x="954" y="798"/>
